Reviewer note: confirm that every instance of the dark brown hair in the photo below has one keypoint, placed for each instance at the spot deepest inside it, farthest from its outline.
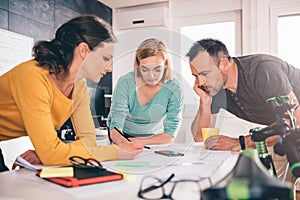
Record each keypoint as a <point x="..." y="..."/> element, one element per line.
<point x="58" y="53"/>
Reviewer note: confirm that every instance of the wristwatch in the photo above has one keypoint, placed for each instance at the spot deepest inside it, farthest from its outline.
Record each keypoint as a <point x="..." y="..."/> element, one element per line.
<point x="242" y="142"/>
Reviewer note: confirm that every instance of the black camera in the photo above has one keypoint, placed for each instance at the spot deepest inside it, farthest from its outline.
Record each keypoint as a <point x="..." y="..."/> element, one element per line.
<point x="285" y="126"/>
<point x="66" y="132"/>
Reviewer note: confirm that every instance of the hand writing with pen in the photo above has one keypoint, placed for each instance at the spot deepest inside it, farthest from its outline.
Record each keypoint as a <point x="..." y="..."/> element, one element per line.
<point x="162" y="138"/>
<point x="118" y="138"/>
<point x="126" y="148"/>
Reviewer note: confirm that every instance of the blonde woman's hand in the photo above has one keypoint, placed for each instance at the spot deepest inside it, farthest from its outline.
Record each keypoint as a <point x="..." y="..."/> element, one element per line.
<point x="128" y="150"/>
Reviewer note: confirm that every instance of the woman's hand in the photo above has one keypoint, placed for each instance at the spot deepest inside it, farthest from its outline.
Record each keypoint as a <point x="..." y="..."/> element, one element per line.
<point x="117" y="138"/>
<point x="29" y="156"/>
<point x="128" y="150"/>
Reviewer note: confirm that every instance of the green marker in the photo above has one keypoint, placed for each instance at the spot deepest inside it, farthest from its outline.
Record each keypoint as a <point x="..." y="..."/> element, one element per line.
<point x="132" y="164"/>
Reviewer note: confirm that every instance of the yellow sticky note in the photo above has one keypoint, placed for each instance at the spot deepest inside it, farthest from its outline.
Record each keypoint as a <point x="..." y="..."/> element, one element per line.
<point x="127" y="176"/>
<point x="56" y="172"/>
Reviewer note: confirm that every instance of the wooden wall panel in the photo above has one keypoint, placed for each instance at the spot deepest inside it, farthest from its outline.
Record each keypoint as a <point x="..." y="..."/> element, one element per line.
<point x="40" y="18"/>
<point x="4" y="4"/>
<point x="29" y="27"/>
<point x="3" y="19"/>
<point x="41" y="11"/>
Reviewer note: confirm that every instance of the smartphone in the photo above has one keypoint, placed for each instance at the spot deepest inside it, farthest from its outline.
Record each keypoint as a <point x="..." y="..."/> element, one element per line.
<point x="168" y="153"/>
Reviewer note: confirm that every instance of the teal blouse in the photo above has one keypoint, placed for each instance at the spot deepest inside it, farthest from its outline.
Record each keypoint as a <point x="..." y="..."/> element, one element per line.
<point x="162" y="114"/>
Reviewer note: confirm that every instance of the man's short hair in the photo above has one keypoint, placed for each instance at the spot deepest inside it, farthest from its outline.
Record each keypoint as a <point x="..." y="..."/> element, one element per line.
<point x="215" y="48"/>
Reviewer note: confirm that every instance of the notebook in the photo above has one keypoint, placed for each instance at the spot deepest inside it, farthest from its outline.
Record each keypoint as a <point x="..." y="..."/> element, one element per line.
<point x="85" y="176"/>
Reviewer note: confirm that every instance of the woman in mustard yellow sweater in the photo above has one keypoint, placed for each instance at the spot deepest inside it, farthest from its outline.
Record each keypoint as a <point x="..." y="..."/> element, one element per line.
<point x="38" y="96"/>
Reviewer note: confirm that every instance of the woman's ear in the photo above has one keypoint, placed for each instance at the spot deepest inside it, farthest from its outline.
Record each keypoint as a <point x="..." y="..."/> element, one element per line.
<point x="83" y="50"/>
<point x="167" y="64"/>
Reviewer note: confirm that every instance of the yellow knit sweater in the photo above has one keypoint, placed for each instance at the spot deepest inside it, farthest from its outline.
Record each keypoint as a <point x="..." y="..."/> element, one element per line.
<point x="31" y="104"/>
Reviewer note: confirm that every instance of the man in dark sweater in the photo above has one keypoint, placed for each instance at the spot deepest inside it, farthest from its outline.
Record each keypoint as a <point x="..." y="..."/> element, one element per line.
<point x="240" y="85"/>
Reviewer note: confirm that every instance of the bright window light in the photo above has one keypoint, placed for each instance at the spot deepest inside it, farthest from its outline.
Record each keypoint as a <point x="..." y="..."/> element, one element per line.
<point x="288" y="39"/>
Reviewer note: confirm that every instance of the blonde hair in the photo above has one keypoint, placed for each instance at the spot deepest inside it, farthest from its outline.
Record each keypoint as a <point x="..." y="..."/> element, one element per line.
<point x="153" y="47"/>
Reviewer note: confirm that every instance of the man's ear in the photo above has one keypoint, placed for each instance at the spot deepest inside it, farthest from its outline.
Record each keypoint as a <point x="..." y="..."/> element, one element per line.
<point x="83" y="50"/>
<point x="224" y="64"/>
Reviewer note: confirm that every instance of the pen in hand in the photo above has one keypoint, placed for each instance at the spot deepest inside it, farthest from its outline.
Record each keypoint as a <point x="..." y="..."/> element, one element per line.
<point x="122" y="134"/>
<point x="146" y="147"/>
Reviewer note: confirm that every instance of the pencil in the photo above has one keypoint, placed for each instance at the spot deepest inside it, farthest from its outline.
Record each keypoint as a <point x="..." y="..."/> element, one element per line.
<point x="122" y="134"/>
<point x="146" y="147"/>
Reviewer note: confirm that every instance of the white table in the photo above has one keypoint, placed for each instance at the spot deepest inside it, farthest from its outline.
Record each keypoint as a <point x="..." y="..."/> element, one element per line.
<point x="197" y="162"/>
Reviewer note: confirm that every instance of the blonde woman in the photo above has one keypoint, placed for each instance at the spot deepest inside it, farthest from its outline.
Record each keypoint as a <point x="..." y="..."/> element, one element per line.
<point x="146" y="103"/>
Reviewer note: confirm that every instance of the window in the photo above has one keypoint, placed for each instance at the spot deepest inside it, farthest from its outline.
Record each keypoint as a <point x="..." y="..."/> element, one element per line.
<point x="223" y="31"/>
<point x="285" y="30"/>
<point x="288" y="39"/>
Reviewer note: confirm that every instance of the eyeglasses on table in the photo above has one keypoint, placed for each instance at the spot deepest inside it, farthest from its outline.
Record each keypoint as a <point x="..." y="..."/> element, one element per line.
<point x="152" y="188"/>
<point x="78" y="161"/>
